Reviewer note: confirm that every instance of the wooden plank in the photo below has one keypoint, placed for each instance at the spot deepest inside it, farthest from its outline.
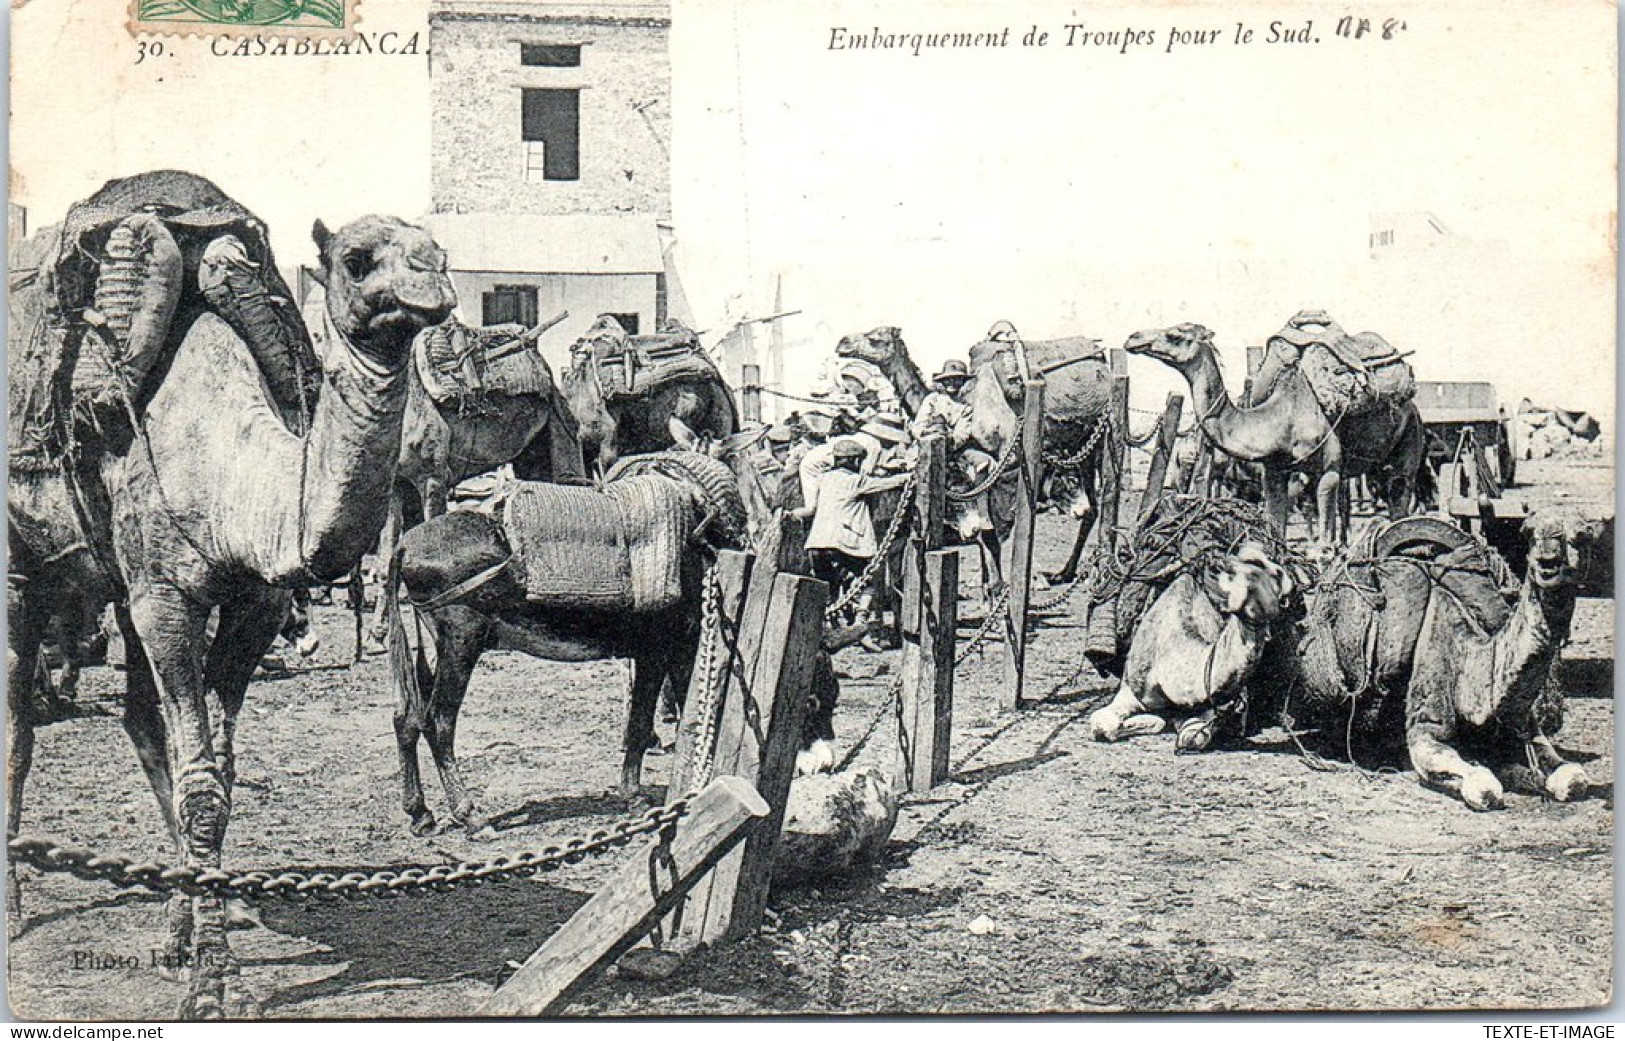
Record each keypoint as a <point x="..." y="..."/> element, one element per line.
<point x="757" y="740"/>
<point x="750" y="393"/>
<point x="927" y="531"/>
<point x="1469" y="508"/>
<point x="927" y="700"/>
<point x="1030" y="476"/>
<point x="1111" y="514"/>
<point x="642" y="891"/>
<point x="733" y="573"/>
<point x="1161" y="455"/>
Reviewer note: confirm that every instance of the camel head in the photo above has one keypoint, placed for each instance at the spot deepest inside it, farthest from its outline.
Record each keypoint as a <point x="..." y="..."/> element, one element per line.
<point x="1255" y="588"/>
<point x="1559" y="542"/>
<point x="1178" y="345"/>
<point x="878" y="346"/>
<point x="385" y="280"/>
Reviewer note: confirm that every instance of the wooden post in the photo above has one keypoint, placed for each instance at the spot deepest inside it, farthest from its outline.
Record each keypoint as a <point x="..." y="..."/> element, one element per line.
<point x="1117" y="450"/>
<point x="757" y="736"/>
<point x="733" y="574"/>
<point x="1030" y="474"/>
<point x="1161" y="455"/>
<point x="645" y="888"/>
<point x="925" y="726"/>
<point x="750" y="393"/>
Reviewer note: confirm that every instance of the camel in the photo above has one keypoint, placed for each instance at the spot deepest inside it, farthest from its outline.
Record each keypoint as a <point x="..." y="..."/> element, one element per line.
<point x="212" y="502"/>
<point x="1417" y="644"/>
<point x="630" y="412"/>
<point x="471" y="577"/>
<point x="516" y="416"/>
<point x="883" y="347"/>
<point x="1288" y="431"/>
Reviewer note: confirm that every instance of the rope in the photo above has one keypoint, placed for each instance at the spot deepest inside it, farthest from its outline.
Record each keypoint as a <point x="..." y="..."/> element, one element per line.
<point x="298" y="884"/>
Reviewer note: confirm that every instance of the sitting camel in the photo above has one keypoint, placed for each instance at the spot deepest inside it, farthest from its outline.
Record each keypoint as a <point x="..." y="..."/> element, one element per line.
<point x="1423" y="641"/>
<point x="1195" y="649"/>
<point x="551" y="579"/>
<point x="1288" y="431"/>
<point x="212" y="501"/>
<point x="624" y="391"/>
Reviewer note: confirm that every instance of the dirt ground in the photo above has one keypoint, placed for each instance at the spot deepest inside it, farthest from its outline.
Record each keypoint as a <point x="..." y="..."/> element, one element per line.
<point x="1050" y="873"/>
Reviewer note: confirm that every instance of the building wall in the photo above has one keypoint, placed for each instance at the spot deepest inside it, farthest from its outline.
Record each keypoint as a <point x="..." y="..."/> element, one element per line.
<point x="584" y="296"/>
<point x="476" y="78"/>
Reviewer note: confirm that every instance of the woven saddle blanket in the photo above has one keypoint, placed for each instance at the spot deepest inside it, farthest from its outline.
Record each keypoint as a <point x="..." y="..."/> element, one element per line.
<point x="461" y="364"/>
<point x="616" y="549"/>
<point x="1350" y="375"/>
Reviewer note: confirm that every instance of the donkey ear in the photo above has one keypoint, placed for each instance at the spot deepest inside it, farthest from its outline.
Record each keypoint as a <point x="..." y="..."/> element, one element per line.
<point x="682" y="434"/>
<point x="319" y="232"/>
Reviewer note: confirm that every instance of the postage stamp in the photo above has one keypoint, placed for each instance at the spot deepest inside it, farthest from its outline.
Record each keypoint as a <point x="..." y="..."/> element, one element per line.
<point x="207" y="17"/>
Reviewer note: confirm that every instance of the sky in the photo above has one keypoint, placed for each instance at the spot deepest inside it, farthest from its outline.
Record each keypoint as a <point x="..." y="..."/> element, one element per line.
<point x="1071" y="190"/>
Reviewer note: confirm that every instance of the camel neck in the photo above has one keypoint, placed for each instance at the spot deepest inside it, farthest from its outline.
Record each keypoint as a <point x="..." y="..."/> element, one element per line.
<point x="906" y="380"/>
<point x="348" y="458"/>
<point x="1527" y="645"/>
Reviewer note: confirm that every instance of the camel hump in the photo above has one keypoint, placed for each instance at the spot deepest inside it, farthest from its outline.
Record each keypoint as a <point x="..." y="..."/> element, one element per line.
<point x="1418" y="537"/>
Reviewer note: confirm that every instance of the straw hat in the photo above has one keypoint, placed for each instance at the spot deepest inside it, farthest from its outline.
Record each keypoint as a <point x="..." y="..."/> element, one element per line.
<point x="847" y="448"/>
<point x="954" y="371"/>
<point x="885" y="428"/>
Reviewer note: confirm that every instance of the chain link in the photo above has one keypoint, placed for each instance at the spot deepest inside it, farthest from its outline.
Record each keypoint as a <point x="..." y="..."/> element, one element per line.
<point x="899" y="523"/>
<point x="887" y="706"/>
<point x="995" y="614"/>
<point x="296" y="884"/>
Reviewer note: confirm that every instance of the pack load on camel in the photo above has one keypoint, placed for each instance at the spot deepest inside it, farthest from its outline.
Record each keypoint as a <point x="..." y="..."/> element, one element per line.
<point x="463" y="366"/>
<point x="106" y="297"/>
<point x="1426" y="645"/>
<point x="633" y="367"/>
<point x="1184" y="535"/>
<point x="1350" y="375"/>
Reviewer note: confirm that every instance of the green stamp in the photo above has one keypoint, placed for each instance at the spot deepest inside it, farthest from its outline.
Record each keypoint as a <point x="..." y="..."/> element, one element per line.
<point x="321" y="16"/>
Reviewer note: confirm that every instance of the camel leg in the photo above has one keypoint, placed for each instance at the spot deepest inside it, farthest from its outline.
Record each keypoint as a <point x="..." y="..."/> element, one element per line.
<point x="992" y="566"/>
<point x="1559" y="779"/>
<point x="1124" y="717"/>
<point x="457" y="653"/>
<point x="648" y="673"/>
<point x="26" y="622"/>
<point x="171" y="627"/>
<point x="1441" y="767"/>
<point x="388" y="539"/>
<point x="411" y="721"/>
<point x="1328" y="492"/>
<point x="1275" y="498"/>
<point x="1069" y="570"/>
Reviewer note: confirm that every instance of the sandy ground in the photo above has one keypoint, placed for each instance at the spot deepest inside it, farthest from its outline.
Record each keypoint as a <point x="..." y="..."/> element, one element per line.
<point x="1050" y="873"/>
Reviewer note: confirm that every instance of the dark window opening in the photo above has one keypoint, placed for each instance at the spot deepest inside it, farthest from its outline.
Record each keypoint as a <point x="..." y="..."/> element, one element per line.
<point x="556" y="55"/>
<point x="553" y="117"/>
<point x="509" y="304"/>
<point x="629" y="322"/>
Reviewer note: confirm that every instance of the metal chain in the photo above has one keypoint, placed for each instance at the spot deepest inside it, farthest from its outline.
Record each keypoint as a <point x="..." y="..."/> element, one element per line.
<point x="707" y="663"/>
<point x="1103" y="424"/>
<point x="1006" y="459"/>
<point x="995" y="614"/>
<point x="1150" y="436"/>
<point x="899" y="523"/>
<point x="786" y="395"/>
<point x="887" y="706"/>
<point x="296" y="884"/>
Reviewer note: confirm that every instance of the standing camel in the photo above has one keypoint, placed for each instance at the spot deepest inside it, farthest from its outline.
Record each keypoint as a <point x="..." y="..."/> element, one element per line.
<point x="214" y="502"/>
<point x="515" y="415"/>
<point x="624" y="391"/>
<point x="1288" y="431"/>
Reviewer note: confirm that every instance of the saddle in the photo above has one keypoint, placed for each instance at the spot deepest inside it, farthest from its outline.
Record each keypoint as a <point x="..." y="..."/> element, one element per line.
<point x="1350" y="375"/>
<point x="463" y="366"/>
<point x="631" y="367"/>
<point x="1465" y="568"/>
<point x="615" y="549"/>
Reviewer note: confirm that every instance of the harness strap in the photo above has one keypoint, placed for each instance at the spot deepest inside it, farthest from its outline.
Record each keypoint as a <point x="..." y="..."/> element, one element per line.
<point x="466" y="586"/>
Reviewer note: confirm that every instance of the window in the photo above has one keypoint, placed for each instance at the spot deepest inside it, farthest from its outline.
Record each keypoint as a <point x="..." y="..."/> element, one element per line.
<point x="629" y="322"/>
<point x="509" y="304"/>
<point x="552" y="119"/>
<point x="556" y="55"/>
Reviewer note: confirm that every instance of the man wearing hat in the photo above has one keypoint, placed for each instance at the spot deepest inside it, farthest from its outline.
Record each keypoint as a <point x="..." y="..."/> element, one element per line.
<point x="883" y="437"/>
<point x="942" y="409"/>
<point x="842" y="539"/>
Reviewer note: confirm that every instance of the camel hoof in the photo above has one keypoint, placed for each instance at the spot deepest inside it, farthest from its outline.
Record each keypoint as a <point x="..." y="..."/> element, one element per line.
<point x="1566" y="783"/>
<point x="1481" y="791"/>
<point x="1195" y="735"/>
<point x="423" y="825"/>
<point x="819" y="759"/>
<point x="308" y="645"/>
<point x="1103" y="727"/>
